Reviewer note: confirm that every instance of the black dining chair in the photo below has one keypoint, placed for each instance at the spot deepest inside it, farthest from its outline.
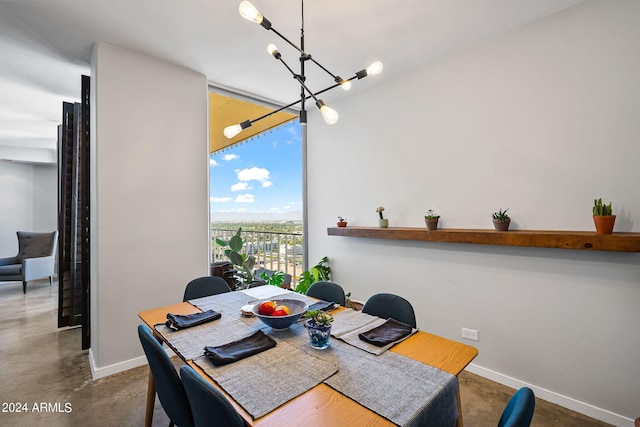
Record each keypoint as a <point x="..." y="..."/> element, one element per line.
<point x="519" y="410"/>
<point x="208" y="405"/>
<point x="390" y="305"/>
<point x="204" y="287"/>
<point x="327" y="291"/>
<point x="167" y="382"/>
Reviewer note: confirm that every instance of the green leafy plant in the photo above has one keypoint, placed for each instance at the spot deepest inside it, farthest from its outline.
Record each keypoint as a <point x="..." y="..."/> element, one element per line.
<point x="319" y="317"/>
<point x="600" y="209"/>
<point x="431" y="214"/>
<point x="501" y="214"/>
<point x="276" y="278"/>
<point x="319" y="272"/>
<point x="243" y="262"/>
<point x="380" y="210"/>
<point x="341" y="219"/>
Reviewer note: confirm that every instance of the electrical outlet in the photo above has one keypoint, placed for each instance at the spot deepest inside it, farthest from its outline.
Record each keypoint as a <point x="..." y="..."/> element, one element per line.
<point x="470" y="334"/>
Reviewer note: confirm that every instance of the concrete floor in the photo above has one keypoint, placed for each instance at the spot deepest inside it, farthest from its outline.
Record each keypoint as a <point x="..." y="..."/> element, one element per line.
<point x="42" y="364"/>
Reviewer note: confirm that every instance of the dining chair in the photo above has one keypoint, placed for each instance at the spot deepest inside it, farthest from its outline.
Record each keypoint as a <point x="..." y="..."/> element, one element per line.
<point x="390" y="305"/>
<point x="327" y="291"/>
<point x="519" y="410"/>
<point x="205" y="286"/>
<point x="168" y="384"/>
<point x="208" y="404"/>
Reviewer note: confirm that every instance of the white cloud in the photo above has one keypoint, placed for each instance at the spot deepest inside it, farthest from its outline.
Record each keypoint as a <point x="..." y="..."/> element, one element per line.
<point x="245" y="198"/>
<point x="213" y="163"/>
<point x="220" y="199"/>
<point x="253" y="174"/>
<point x="267" y="184"/>
<point x="229" y="157"/>
<point x="241" y="186"/>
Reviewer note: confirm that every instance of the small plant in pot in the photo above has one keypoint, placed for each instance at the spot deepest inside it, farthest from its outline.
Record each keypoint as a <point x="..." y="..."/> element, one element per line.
<point x="603" y="217"/>
<point x="341" y="221"/>
<point x="431" y="220"/>
<point x="382" y="222"/>
<point x="319" y="327"/>
<point x="501" y="220"/>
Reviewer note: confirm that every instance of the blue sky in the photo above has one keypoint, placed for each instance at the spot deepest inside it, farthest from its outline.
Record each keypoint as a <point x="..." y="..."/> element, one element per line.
<point x="262" y="175"/>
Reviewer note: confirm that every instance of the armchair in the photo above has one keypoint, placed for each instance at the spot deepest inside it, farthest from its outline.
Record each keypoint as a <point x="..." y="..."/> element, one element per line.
<point x="35" y="259"/>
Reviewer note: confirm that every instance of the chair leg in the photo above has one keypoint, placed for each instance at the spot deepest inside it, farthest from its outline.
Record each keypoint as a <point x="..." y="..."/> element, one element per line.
<point x="50" y="280"/>
<point x="24" y="287"/>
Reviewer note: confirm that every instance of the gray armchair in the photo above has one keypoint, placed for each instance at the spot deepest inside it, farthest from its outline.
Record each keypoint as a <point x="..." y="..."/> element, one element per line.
<point x="35" y="259"/>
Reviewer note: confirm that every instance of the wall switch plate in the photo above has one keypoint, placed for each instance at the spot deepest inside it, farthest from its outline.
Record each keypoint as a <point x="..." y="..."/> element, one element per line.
<point x="470" y="334"/>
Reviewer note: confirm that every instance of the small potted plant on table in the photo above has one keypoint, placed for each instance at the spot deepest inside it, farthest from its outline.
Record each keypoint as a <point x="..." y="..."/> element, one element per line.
<point x="501" y="220"/>
<point x="431" y="219"/>
<point x="603" y="217"/>
<point x="319" y="328"/>
<point x="341" y="222"/>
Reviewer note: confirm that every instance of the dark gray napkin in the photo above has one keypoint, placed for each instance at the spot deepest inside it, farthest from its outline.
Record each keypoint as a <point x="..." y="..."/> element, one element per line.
<point x="322" y="306"/>
<point x="181" y="321"/>
<point x="390" y="331"/>
<point x="237" y="350"/>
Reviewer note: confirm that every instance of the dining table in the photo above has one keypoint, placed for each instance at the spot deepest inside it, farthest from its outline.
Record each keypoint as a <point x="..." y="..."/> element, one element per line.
<point x="405" y="383"/>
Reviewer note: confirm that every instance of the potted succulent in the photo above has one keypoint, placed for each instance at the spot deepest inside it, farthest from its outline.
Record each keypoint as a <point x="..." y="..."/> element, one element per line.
<point x="501" y="220"/>
<point x="319" y="327"/>
<point x="341" y="222"/>
<point x="431" y="219"/>
<point x="603" y="217"/>
<point x="382" y="222"/>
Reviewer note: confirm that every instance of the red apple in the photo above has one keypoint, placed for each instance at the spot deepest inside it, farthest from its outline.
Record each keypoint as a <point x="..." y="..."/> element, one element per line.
<point x="267" y="308"/>
<point x="281" y="310"/>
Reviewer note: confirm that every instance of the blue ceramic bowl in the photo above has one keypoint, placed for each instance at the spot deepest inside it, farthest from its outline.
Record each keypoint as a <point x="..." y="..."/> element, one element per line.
<point x="279" y="323"/>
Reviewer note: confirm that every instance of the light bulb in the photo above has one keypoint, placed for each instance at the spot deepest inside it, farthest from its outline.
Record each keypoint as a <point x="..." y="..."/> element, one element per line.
<point x="249" y="12"/>
<point x="329" y="115"/>
<point x="344" y="84"/>
<point x="375" y="68"/>
<point x="273" y="50"/>
<point x="231" y="131"/>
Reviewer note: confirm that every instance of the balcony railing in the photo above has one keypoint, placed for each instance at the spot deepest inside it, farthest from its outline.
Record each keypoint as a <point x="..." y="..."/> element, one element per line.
<point x="273" y="250"/>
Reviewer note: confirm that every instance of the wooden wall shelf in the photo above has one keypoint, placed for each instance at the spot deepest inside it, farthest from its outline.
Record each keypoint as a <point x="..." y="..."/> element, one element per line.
<point x="586" y="240"/>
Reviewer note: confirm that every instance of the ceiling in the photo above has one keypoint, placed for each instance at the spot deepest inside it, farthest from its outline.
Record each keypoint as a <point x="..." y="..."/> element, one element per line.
<point x="46" y="45"/>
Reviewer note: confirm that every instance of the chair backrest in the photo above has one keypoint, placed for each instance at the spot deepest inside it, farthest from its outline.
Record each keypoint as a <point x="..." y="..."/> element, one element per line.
<point x="389" y="305"/>
<point x="208" y="405"/>
<point x="168" y="385"/>
<point x="205" y="286"/>
<point x="32" y="245"/>
<point x="327" y="291"/>
<point x="519" y="410"/>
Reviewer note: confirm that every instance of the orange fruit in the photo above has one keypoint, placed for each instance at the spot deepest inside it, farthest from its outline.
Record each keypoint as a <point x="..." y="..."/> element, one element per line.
<point x="267" y="308"/>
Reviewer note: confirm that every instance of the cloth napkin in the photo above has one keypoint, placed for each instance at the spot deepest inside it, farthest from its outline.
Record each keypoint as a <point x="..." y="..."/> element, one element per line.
<point x="322" y="306"/>
<point x="238" y="350"/>
<point x="182" y="321"/>
<point x="390" y="331"/>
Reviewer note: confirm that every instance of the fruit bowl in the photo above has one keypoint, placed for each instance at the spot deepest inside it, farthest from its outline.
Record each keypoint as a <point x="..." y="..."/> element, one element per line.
<point x="279" y="323"/>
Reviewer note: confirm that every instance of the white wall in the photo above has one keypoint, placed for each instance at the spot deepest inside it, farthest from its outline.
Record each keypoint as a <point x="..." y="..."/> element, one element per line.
<point x="540" y="121"/>
<point x="149" y="201"/>
<point x="29" y="202"/>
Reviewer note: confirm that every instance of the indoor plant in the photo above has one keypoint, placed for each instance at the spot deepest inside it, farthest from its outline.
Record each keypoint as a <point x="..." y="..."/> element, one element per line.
<point x="341" y="221"/>
<point x="319" y="327"/>
<point x="501" y="220"/>
<point x="431" y="219"/>
<point x="603" y="217"/>
<point x="243" y="262"/>
<point x="382" y="222"/>
<point x="320" y="271"/>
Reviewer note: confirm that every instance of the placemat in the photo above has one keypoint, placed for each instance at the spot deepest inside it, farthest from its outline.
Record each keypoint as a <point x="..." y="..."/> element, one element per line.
<point x="403" y="390"/>
<point x="263" y="382"/>
<point x="349" y="323"/>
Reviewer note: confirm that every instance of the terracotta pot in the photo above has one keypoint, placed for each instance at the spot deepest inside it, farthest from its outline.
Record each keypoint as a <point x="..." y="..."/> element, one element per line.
<point x="432" y="223"/>
<point x="501" y="224"/>
<point x="342" y="223"/>
<point x="604" y="223"/>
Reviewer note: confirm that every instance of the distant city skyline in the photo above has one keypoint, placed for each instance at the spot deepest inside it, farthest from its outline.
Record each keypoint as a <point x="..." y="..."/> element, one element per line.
<point x="260" y="178"/>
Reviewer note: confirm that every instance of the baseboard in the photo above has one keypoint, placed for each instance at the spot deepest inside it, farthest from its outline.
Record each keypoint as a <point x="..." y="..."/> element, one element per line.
<point x="550" y="396"/>
<point x="116" y="368"/>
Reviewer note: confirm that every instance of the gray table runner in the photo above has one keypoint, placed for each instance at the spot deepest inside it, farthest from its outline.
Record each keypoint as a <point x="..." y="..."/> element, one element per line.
<point x="405" y="391"/>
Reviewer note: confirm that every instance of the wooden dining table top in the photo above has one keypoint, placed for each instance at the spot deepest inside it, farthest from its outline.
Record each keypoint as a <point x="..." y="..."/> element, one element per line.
<point x="322" y="404"/>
